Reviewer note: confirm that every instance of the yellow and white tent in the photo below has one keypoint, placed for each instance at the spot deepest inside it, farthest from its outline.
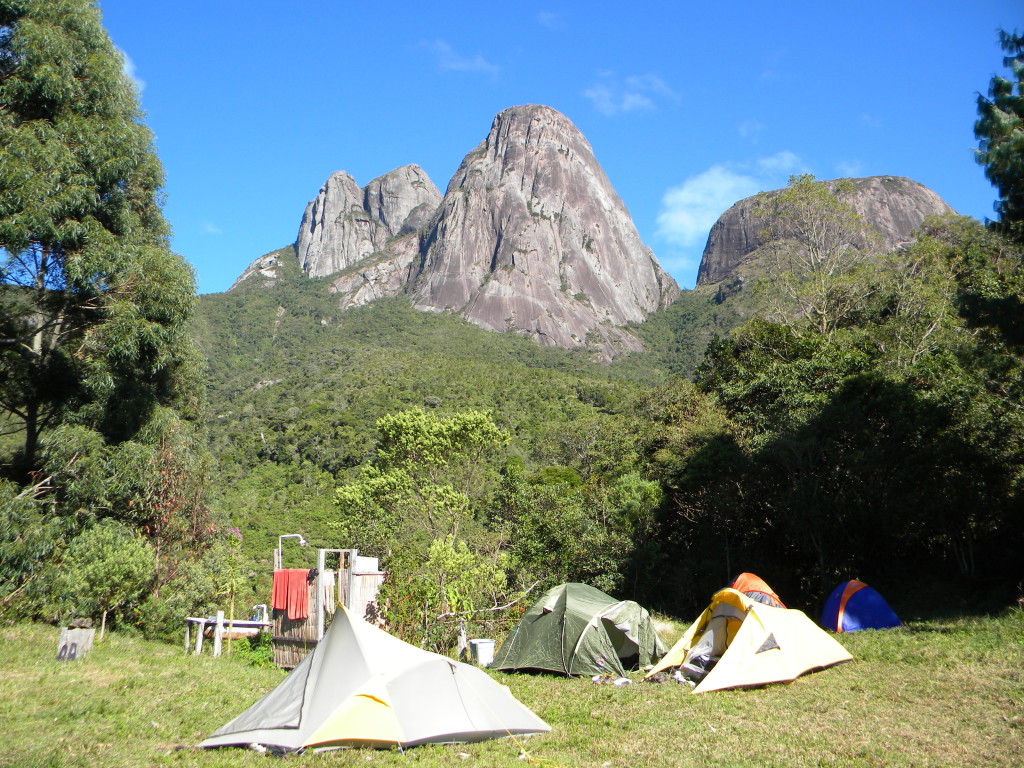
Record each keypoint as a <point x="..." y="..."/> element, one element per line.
<point x="363" y="687"/>
<point x="745" y="643"/>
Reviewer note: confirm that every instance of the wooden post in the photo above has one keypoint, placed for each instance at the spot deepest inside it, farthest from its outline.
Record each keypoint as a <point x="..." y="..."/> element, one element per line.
<point x="199" y="637"/>
<point x="318" y="599"/>
<point x="352" y="555"/>
<point x="188" y="636"/>
<point x="463" y="654"/>
<point x="218" y="633"/>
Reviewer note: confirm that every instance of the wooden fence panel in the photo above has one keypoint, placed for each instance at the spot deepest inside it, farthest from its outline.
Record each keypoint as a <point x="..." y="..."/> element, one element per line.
<point x="293" y="640"/>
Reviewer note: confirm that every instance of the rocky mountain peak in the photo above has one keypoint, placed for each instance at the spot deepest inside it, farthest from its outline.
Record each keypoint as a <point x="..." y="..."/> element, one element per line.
<point x="531" y="237"/>
<point x="344" y="224"/>
<point x="894" y="205"/>
<point x="402" y="201"/>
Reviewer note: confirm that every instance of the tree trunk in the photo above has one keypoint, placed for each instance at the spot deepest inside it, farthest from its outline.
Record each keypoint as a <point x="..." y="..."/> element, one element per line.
<point x="103" y="626"/>
<point x="38" y="346"/>
<point x="231" y="619"/>
<point x="31" y="436"/>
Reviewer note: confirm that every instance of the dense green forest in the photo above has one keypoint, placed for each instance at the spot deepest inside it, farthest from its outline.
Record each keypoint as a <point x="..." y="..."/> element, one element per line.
<point x="881" y="439"/>
<point x="298" y="391"/>
<point x="853" y="414"/>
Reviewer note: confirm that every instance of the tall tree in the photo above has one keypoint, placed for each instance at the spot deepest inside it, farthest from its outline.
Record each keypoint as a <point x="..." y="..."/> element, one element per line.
<point x="1000" y="133"/>
<point x="93" y="305"/>
<point x="100" y="392"/>
<point x="816" y="241"/>
<point x="414" y="507"/>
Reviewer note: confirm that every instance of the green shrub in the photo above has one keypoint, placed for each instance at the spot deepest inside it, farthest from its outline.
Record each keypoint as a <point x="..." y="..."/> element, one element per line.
<point x="256" y="651"/>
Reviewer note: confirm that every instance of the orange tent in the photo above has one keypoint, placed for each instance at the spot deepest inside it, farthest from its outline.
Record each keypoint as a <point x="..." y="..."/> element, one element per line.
<point x="754" y="587"/>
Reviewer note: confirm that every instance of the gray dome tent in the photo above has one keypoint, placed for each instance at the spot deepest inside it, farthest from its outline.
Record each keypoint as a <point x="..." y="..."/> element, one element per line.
<point x="361" y="686"/>
<point x="576" y="629"/>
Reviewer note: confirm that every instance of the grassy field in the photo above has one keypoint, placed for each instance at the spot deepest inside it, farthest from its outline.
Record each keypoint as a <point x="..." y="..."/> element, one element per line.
<point x="945" y="693"/>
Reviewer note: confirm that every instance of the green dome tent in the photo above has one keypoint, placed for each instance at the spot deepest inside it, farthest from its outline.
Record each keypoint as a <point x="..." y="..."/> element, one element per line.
<point x="576" y="629"/>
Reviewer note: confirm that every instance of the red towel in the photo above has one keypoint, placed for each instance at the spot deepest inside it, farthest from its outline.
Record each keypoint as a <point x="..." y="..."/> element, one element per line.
<point x="290" y="592"/>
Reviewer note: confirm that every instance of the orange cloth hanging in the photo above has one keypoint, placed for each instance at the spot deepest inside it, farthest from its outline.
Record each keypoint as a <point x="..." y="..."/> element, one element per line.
<point x="279" y="592"/>
<point x="290" y="593"/>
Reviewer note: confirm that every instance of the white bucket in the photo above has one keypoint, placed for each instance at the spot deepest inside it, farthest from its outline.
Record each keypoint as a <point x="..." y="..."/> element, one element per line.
<point x="481" y="652"/>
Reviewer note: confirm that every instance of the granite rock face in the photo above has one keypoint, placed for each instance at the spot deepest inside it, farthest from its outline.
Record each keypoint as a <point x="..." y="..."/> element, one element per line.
<point x="530" y="237"/>
<point x="344" y="224"/>
<point x="264" y="268"/>
<point x="893" y="205"/>
<point x="383" y="274"/>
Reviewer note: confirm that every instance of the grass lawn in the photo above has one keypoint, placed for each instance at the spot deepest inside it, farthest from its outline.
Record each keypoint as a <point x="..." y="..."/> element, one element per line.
<point x="947" y="693"/>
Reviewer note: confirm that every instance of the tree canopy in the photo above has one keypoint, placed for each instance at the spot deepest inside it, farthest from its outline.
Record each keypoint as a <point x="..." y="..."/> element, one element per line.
<point x="817" y="243"/>
<point x="1000" y="133"/>
<point x="94" y="304"/>
<point x="100" y="389"/>
<point x="892" y="440"/>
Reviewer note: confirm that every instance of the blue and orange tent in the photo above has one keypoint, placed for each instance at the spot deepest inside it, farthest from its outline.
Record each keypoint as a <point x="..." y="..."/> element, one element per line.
<point x="854" y="605"/>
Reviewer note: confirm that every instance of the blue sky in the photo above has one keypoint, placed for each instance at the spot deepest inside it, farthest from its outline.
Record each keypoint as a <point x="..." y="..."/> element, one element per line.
<point x="689" y="107"/>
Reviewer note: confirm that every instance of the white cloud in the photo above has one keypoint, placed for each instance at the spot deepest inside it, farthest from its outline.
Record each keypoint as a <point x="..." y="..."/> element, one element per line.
<point x="451" y="60"/>
<point x="548" y="19"/>
<point x="128" y="68"/>
<point x="602" y="98"/>
<point x="651" y="83"/>
<point x="870" y="121"/>
<point x="849" y="168"/>
<point x="750" y="129"/>
<point x="781" y="163"/>
<point x="210" y="228"/>
<point x="690" y="209"/>
<point x="635" y="102"/>
<point x="636" y="93"/>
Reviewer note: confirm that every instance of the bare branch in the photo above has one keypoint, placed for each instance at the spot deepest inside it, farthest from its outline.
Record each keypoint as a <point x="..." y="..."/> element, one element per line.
<point x="452" y="614"/>
<point x="37" y="489"/>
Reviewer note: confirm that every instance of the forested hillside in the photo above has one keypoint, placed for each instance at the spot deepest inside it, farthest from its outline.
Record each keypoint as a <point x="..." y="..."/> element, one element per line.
<point x="875" y="432"/>
<point x="297" y="388"/>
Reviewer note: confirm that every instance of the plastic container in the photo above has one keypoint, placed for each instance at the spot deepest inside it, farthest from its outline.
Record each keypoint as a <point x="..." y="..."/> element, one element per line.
<point x="481" y="652"/>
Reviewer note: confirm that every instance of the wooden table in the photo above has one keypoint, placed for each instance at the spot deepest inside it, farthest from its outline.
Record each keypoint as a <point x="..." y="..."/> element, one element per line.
<point x="220" y="627"/>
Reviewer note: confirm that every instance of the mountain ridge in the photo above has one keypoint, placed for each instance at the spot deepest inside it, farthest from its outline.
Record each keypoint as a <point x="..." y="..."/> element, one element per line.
<point x="530" y="237"/>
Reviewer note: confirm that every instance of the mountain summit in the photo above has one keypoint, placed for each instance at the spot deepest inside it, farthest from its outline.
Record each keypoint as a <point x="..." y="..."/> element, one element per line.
<point x="344" y="224"/>
<point x="895" y="206"/>
<point x="530" y="237"/>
